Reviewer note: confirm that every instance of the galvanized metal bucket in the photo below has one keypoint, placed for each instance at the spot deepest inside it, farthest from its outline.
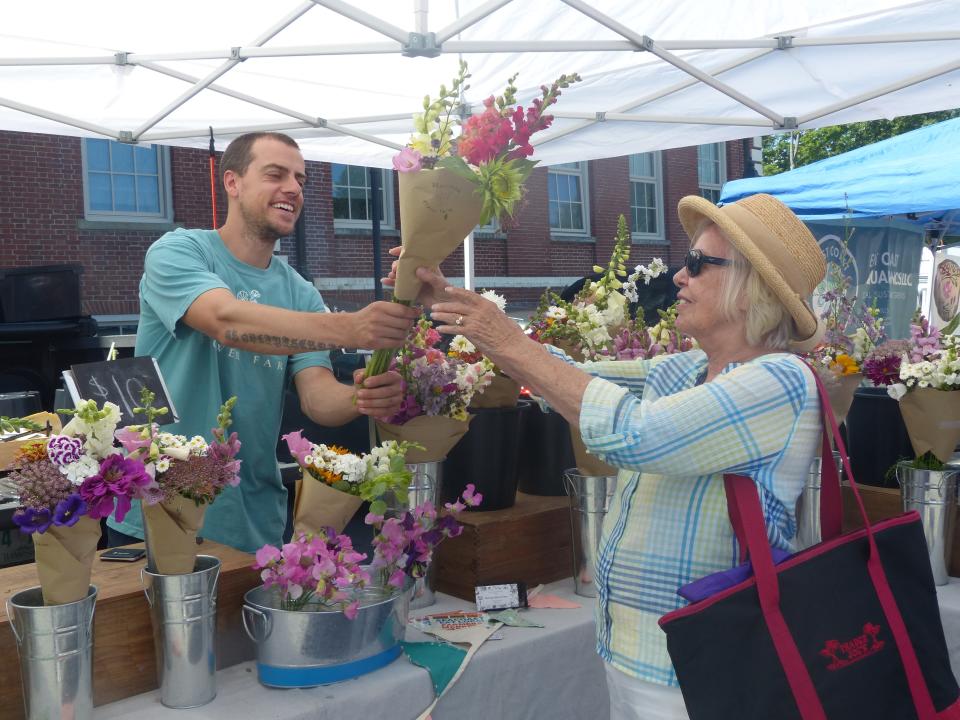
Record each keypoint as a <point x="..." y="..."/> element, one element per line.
<point x="183" y="612"/>
<point x="933" y="494"/>
<point x="318" y="645"/>
<point x="55" y="643"/>
<point x="425" y="484"/>
<point x="589" y="500"/>
<point x="808" y="504"/>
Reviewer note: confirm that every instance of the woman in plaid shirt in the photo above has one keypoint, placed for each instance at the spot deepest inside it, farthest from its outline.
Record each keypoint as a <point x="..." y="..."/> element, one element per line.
<point x="741" y="403"/>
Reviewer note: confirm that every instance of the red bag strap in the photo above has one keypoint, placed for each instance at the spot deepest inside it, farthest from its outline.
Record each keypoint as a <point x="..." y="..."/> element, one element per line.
<point x="746" y="515"/>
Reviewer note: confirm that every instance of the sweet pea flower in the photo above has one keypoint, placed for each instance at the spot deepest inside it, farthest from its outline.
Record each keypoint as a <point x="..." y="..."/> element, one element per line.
<point x="407" y="160"/>
<point x="471" y="497"/>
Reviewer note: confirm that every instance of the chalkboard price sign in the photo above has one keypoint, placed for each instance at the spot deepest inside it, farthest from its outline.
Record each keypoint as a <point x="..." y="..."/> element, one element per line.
<point x="120" y="382"/>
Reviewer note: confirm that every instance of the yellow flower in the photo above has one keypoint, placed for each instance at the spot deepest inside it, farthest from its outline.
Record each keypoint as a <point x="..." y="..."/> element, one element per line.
<point x="843" y="364"/>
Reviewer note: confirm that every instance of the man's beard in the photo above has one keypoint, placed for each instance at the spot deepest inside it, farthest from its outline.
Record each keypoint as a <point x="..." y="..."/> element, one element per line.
<point x="260" y="227"/>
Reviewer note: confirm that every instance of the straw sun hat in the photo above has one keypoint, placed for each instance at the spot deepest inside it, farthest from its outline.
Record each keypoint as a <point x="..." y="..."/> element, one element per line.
<point x="778" y="245"/>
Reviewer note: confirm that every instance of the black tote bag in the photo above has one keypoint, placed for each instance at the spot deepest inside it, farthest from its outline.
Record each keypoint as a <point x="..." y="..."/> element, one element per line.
<point x="848" y="629"/>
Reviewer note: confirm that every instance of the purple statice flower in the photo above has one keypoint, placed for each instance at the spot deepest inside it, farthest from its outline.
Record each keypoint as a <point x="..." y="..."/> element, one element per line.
<point x="68" y="512"/>
<point x="63" y="450"/>
<point x="120" y="479"/>
<point x="33" y="520"/>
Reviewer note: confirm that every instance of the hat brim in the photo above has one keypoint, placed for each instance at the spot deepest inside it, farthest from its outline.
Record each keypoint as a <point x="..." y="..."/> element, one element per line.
<point x="808" y="327"/>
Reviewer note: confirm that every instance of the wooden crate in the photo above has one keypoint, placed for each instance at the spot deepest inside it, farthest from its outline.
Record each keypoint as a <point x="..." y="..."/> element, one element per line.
<point x="123" y="658"/>
<point x="529" y="542"/>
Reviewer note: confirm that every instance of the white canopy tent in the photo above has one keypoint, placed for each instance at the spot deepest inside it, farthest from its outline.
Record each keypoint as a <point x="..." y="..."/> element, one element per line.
<point x="344" y="78"/>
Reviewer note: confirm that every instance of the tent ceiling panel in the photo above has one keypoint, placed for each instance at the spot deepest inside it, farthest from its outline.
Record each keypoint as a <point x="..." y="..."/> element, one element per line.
<point x="679" y="73"/>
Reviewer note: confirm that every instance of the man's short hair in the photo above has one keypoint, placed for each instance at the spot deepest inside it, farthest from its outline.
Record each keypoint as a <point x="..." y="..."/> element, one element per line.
<point x="239" y="153"/>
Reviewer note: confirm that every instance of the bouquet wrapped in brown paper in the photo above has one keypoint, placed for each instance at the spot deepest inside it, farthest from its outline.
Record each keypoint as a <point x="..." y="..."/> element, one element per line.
<point x="929" y="392"/>
<point x="335" y="481"/>
<point x="438" y="388"/>
<point x="66" y="484"/>
<point x="188" y="473"/>
<point x="449" y="186"/>
<point x="434" y="434"/>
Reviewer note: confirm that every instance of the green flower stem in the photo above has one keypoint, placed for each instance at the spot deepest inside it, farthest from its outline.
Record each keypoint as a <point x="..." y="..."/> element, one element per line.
<point x="380" y="362"/>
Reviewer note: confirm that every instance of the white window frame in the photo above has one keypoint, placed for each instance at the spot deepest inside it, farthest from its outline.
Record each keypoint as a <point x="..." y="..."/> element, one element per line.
<point x="581" y="172"/>
<point x="657" y="180"/>
<point x="164" y="182"/>
<point x="387" y="222"/>
<point x="722" y="158"/>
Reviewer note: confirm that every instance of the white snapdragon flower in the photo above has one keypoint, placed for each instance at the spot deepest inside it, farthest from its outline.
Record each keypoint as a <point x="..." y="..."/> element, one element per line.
<point x="77" y="472"/>
<point x="556" y="313"/>
<point x="496" y="299"/>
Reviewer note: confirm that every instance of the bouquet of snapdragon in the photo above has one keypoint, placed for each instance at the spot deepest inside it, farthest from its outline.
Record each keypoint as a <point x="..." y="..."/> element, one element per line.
<point x="189" y="473"/>
<point x="437" y="390"/>
<point x="448" y="185"/>
<point x="929" y="392"/>
<point x="585" y="326"/>
<point x="67" y="484"/>
<point x="335" y="481"/>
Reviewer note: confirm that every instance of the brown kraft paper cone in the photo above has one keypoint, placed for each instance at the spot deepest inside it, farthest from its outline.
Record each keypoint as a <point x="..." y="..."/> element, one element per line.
<point x="172" y="528"/>
<point x="64" y="560"/>
<point x="437" y="434"/>
<point x="501" y="392"/>
<point x="840" y="392"/>
<point x="438" y="209"/>
<point x="932" y="418"/>
<point x="588" y="464"/>
<point x="316" y="505"/>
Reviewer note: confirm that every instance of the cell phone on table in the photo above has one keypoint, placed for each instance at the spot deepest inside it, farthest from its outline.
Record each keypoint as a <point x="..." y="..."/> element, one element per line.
<point x="123" y="554"/>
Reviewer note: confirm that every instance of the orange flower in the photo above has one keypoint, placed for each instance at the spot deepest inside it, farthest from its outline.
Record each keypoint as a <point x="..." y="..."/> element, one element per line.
<point x="33" y="451"/>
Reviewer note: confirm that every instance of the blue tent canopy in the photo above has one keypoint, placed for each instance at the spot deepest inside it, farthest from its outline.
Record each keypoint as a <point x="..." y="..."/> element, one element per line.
<point x="916" y="173"/>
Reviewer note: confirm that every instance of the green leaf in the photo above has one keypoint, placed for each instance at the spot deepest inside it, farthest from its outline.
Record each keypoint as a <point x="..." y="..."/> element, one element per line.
<point x="378" y="507"/>
<point x="459" y="166"/>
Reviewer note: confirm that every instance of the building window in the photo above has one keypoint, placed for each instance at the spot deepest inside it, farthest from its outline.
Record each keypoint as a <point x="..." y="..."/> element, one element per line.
<point x="646" y="196"/>
<point x="567" y="193"/>
<point x="351" y="196"/>
<point x="126" y="183"/>
<point x="711" y="170"/>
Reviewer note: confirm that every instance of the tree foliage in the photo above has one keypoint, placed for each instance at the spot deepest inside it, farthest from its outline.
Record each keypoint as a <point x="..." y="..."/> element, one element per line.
<point x="813" y="145"/>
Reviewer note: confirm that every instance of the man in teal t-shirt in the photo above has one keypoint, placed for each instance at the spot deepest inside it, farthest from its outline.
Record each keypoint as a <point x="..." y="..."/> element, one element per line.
<point x="224" y="317"/>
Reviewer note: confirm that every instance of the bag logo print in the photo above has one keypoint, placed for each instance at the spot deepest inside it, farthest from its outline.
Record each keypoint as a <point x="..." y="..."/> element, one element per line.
<point x="843" y="654"/>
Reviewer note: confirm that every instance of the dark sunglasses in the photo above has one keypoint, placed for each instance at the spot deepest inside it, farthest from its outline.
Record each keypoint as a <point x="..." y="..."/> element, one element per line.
<point x="695" y="260"/>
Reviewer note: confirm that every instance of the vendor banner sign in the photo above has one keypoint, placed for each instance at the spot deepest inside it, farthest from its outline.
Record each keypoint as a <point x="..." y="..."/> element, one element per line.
<point x="882" y="260"/>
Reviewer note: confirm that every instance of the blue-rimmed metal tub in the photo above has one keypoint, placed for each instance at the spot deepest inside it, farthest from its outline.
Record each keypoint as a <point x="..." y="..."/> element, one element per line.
<point x="316" y="646"/>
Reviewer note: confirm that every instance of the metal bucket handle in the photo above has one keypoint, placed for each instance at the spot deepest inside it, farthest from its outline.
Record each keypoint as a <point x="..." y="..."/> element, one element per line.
<point x="246" y="625"/>
<point x="213" y="588"/>
<point x="569" y="487"/>
<point x="146" y="590"/>
<point x="13" y="625"/>
<point x="939" y="486"/>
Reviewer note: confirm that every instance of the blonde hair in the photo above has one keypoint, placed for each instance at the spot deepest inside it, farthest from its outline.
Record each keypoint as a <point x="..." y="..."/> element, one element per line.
<point x="768" y="322"/>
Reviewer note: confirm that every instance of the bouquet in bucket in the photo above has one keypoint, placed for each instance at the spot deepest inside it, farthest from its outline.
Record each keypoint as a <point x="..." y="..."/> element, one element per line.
<point x="67" y="484"/>
<point x="322" y="570"/>
<point x="188" y="474"/>
<point x="502" y="390"/>
<point x="448" y="185"/>
<point x="928" y="390"/>
<point x="437" y="391"/>
<point x="853" y="331"/>
<point x="335" y="481"/>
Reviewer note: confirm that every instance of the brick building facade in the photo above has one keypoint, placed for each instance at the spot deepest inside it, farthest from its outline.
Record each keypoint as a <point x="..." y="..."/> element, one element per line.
<point x="46" y="218"/>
